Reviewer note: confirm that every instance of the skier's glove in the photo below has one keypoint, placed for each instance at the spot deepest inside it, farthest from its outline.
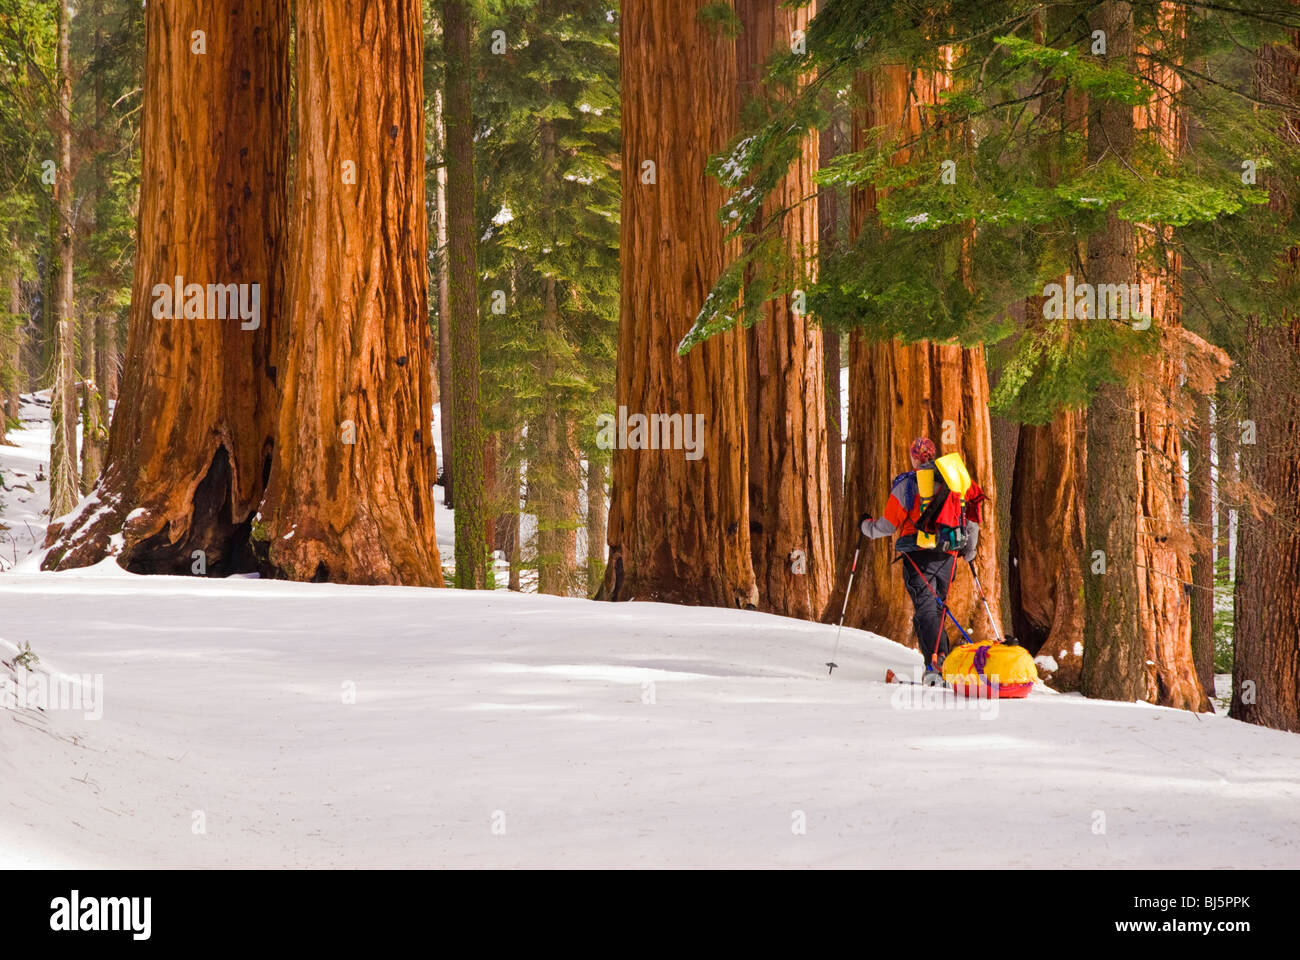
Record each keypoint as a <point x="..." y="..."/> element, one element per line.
<point x="972" y="541"/>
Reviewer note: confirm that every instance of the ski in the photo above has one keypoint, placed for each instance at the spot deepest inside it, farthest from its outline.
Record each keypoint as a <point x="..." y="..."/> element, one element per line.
<point x="892" y="677"/>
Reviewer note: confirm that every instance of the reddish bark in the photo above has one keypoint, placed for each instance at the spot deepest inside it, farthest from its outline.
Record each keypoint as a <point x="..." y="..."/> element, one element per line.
<point x="678" y="529"/>
<point x="190" y="443"/>
<point x="789" y="493"/>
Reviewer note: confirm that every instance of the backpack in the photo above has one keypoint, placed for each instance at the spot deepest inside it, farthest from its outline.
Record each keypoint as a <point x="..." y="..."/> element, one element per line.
<point x="942" y="489"/>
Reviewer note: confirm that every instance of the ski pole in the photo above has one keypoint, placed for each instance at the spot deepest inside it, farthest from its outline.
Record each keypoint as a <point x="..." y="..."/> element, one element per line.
<point x="997" y="632"/>
<point x="852" y="570"/>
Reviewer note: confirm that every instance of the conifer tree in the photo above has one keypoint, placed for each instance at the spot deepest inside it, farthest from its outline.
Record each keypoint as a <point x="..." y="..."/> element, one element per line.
<point x="548" y="220"/>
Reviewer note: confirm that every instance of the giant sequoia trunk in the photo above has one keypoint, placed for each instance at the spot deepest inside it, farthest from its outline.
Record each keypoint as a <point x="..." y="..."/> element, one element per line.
<point x="1266" y="668"/>
<point x="190" y="443"/>
<point x="350" y="493"/>
<point x="789" y="493"/>
<point x="678" y="528"/>
<point x="1046" y="569"/>
<point x="898" y="392"/>
<point x="1113" y="650"/>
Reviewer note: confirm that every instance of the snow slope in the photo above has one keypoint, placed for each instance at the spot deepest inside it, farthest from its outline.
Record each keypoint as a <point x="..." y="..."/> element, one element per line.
<point x="498" y="729"/>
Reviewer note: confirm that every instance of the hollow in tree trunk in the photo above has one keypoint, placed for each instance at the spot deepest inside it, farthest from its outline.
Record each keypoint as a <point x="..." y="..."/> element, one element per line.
<point x="190" y="443"/>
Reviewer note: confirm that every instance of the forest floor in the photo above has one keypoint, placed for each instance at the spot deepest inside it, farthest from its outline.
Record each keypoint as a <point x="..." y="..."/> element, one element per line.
<point x="237" y="722"/>
<point x="260" y="723"/>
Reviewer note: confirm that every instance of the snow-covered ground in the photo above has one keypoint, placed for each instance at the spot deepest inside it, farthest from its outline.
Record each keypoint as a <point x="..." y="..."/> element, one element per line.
<point x="258" y="723"/>
<point x="24" y="483"/>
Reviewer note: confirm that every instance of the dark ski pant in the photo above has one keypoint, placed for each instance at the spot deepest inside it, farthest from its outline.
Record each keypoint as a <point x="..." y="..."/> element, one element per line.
<point x="928" y="617"/>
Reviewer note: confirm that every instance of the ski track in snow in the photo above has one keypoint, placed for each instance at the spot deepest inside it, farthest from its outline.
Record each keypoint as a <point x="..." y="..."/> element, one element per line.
<point x="227" y="697"/>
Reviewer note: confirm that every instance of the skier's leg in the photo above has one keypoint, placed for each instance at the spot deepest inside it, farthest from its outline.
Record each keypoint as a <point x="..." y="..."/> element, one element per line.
<point x="941" y="572"/>
<point x="925" y="611"/>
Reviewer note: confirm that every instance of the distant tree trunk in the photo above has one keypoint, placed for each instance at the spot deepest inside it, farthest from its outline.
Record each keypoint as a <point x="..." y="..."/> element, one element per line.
<point x="104" y="373"/>
<point x="834" y="365"/>
<point x="828" y="220"/>
<point x="1163" y="556"/>
<point x="1047" y="534"/>
<point x="92" y="426"/>
<point x="349" y="499"/>
<point x="191" y="441"/>
<point x="1226" y="426"/>
<point x="553" y="472"/>
<point x="508" y="517"/>
<point x="789" y="492"/>
<point x="1006" y="437"/>
<point x="491" y="492"/>
<point x="1266" y="668"/>
<point x="554" y="469"/>
<point x="64" y="489"/>
<point x="12" y="398"/>
<point x="898" y="392"/>
<point x="94" y="407"/>
<point x="597" y="513"/>
<point x="462" y="267"/>
<point x="1113" y="647"/>
<point x="678" y="528"/>
<point x="445" y="398"/>
<point x="1201" y="510"/>
<point x="107" y="357"/>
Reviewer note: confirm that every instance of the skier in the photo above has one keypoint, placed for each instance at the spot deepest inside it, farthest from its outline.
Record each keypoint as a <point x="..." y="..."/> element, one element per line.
<point x="927" y="566"/>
